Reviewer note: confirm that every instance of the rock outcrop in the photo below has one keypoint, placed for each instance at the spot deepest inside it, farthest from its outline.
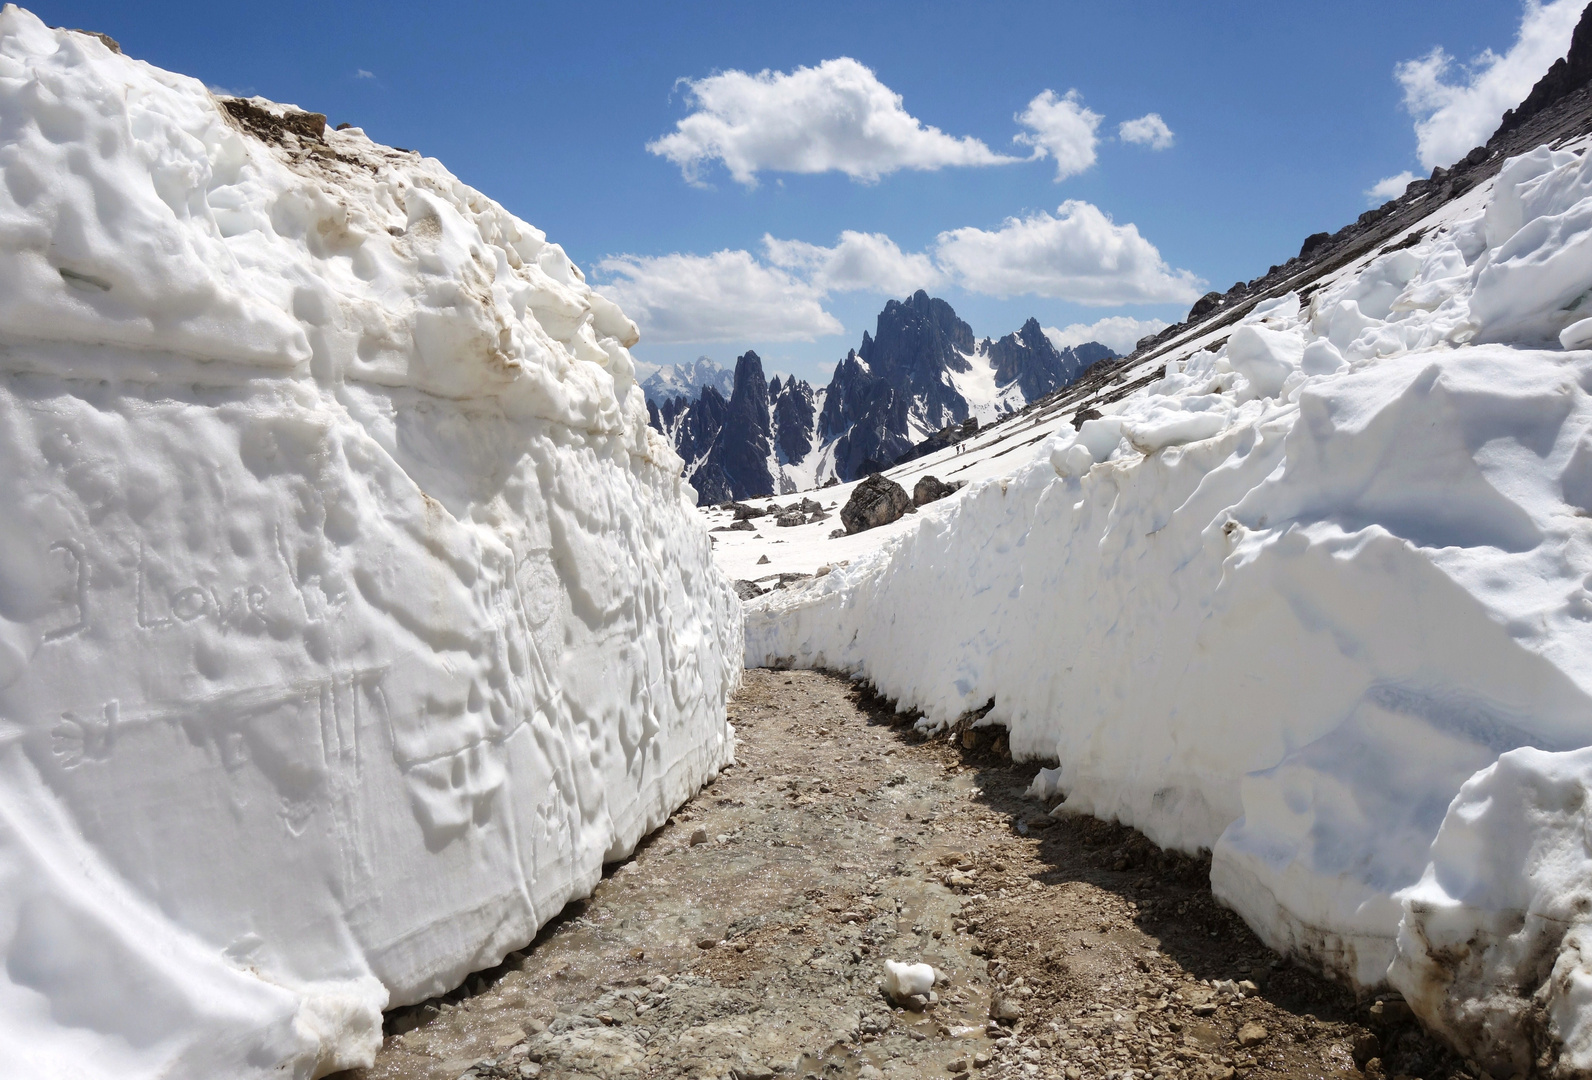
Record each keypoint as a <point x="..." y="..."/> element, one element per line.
<point x="920" y="370"/>
<point x="736" y="463"/>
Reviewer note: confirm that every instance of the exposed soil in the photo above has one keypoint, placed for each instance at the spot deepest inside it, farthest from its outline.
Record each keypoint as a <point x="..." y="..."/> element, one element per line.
<point x="747" y="937"/>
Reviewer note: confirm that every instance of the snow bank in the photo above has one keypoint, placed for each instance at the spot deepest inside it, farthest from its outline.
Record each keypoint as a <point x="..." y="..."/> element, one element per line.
<point x="1289" y="600"/>
<point x="350" y="615"/>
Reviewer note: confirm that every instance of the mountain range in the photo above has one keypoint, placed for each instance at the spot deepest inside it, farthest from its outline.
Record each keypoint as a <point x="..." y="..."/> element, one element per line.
<point x="687" y="380"/>
<point x="920" y="378"/>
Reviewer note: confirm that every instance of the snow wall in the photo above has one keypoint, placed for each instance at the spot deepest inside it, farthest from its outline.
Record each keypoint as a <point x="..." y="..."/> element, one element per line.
<point x="1306" y="602"/>
<point x="350" y="615"/>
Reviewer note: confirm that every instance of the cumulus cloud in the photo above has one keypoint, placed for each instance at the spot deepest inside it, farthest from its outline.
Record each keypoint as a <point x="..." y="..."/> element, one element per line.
<point x="1148" y="130"/>
<point x="1389" y="187"/>
<point x="1078" y="254"/>
<point x="836" y="117"/>
<point x="1458" y="105"/>
<point x="726" y="296"/>
<point x="860" y="262"/>
<point x="1119" y="333"/>
<point x="1062" y="129"/>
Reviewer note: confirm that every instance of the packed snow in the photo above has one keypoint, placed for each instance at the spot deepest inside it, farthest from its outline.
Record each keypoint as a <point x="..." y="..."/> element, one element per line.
<point x="350" y="615"/>
<point x="1318" y="598"/>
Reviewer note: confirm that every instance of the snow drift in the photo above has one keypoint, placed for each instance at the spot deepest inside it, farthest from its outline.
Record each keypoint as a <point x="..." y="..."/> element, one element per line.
<point x="1307" y="600"/>
<point x="350" y="615"/>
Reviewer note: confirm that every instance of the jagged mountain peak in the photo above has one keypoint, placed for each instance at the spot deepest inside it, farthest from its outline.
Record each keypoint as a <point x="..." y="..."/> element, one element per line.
<point x="920" y="374"/>
<point x="688" y="380"/>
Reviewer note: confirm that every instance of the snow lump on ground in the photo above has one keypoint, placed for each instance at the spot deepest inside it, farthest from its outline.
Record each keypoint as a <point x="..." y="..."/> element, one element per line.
<point x="350" y="614"/>
<point x="1319" y="599"/>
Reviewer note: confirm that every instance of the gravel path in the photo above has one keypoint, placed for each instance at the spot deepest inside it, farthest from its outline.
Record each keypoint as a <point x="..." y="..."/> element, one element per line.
<point x="747" y="938"/>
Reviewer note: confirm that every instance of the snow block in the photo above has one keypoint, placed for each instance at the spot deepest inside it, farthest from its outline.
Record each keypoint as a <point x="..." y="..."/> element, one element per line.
<point x="350" y="615"/>
<point x="1321" y="608"/>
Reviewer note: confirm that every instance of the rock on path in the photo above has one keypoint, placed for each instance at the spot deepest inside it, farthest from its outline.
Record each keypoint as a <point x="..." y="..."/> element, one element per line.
<point x="747" y="938"/>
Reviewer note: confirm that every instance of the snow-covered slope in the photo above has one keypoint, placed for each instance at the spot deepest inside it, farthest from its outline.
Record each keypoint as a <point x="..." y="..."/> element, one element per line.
<point x="1305" y="597"/>
<point x="350" y="615"/>
<point x="687" y="380"/>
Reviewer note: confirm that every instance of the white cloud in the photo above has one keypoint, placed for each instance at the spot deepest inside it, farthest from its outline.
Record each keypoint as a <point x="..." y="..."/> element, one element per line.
<point x="1389" y="187"/>
<point x="1119" y="333"/>
<point x="361" y="73"/>
<point x="860" y="262"/>
<point x="837" y="117"/>
<point x="1079" y="255"/>
<point x="1061" y="128"/>
<point x="1148" y="130"/>
<point x="726" y="296"/>
<point x="1451" y="117"/>
<point x="735" y="296"/>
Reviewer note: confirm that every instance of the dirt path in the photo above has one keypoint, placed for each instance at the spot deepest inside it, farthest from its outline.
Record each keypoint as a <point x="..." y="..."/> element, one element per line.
<point x="746" y="939"/>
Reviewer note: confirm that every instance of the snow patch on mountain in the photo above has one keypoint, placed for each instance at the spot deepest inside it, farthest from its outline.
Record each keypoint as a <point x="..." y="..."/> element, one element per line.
<point x="1316" y="597"/>
<point x="350" y="615"/>
<point x="687" y="380"/>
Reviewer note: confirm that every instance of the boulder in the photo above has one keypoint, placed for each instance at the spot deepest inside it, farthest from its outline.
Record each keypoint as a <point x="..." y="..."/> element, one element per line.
<point x="741" y="525"/>
<point x="747" y="589"/>
<point x="929" y="489"/>
<point x="1204" y="306"/>
<point x="876" y="501"/>
<point x="791" y="517"/>
<point x="1313" y="243"/>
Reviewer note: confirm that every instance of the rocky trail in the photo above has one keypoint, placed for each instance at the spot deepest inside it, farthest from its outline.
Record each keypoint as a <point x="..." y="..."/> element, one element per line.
<point x="747" y="938"/>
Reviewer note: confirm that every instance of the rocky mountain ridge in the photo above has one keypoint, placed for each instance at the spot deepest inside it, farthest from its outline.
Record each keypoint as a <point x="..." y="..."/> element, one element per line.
<point x="919" y="379"/>
<point x="687" y="380"/>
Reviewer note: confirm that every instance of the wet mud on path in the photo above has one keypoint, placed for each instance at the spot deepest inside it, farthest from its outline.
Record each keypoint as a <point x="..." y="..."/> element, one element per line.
<point x="746" y="939"/>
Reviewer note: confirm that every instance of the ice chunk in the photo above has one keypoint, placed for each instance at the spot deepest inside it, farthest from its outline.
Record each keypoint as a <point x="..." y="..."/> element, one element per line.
<point x="1265" y="357"/>
<point x="1500" y="924"/>
<point x="902" y="980"/>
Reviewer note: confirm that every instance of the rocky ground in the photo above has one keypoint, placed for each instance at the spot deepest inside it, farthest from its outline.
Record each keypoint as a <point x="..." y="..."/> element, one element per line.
<point x="747" y="938"/>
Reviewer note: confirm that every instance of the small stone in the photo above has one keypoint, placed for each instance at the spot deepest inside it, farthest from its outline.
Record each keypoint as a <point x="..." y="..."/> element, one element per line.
<point x="957" y="1067"/>
<point x="707" y="943"/>
<point x="1252" y="1034"/>
<point x="529" y="1069"/>
<point x="700" y="836"/>
<point x="869" y="1072"/>
<point x="762" y="560"/>
<point x="508" y="1039"/>
<point x="1004" y="1009"/>
<point x="980" y="1060"/>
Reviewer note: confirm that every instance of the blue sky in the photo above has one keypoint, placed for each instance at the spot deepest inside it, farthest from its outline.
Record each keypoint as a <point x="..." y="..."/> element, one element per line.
<point x="1279" y="118"/>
